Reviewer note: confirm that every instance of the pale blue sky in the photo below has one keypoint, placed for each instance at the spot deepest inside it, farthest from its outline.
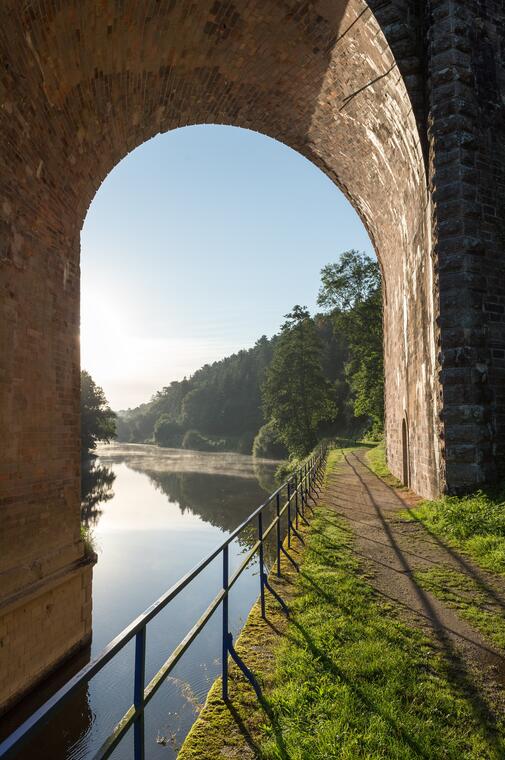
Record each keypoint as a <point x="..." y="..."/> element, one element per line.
<point x="197" y="244"/>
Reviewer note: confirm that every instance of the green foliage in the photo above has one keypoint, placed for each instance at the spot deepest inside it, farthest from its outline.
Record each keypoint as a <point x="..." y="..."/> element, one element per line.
<point x="220" y="400"/>
<point x="268" y="445"/>
<point x="376" y="458"/>
<point x="296" y="395"/>
<point x="352" y="280"/>
<point x="88" y="540"/>
<point x="98" y="421"/>
<point x="351" y="292"/>
<point x="167" y="432"/>
<point x="337" y="388"/>
<point x="475" y="524"/>
<point x="197" y="442"/>
<point x="243" y="444"/>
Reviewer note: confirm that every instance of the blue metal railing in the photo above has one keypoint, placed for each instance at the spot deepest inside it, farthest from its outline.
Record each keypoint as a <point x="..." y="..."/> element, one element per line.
<point x="297" y="490"/>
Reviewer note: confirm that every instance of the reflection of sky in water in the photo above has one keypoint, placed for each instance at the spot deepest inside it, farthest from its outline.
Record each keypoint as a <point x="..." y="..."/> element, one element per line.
<point x="169" y="509"/>
<point x="130" y="511"/>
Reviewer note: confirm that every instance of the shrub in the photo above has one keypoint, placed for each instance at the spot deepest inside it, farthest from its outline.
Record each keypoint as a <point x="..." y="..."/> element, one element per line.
<point x="197" y="442"/>
<point x="167" y="432"/>
<point x="267" y="444"/>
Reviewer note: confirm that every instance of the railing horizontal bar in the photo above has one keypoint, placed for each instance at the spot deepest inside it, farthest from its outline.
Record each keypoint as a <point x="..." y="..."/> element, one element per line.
<point x="155" y="682"/>
<point x="272" y="496"/>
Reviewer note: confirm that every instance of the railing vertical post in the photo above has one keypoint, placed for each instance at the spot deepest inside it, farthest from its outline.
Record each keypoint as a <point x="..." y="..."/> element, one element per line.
<point x="261" y="562"/>
<point x="289" y="515"/>
<point x="299" y="506"/>
<point x="225" y="631"/>
<point x="138" y="693"/>
<point x="277" y="511"/>
<point x="296" y="503"/>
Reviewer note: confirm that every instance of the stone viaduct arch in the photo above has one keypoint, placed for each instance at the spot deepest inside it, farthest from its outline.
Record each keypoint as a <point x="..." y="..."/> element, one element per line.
<point x="399" y="102"/>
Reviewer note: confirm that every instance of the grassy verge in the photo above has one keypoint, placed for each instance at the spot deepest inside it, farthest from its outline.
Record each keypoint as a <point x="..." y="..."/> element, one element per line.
<point x="235" y="730"/>
<point x="352" y="681"/>
<point x="344" y="677"/>
<point x="473" y="524"/>
<point x="376" y="459"/>
<point x="469" y="598"/>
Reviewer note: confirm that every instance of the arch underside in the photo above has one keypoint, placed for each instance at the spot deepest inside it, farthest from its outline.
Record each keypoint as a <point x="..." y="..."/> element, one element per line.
<point x="84" y="83"/>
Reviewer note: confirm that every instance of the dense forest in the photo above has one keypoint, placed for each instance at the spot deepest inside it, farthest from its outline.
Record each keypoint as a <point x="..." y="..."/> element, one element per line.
<point x="319" y="376"/>
<point x="217" y="408"/>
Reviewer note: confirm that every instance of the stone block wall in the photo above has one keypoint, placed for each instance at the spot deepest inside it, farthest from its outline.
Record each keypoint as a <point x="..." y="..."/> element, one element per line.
<point x="466" y="89"/>
<point x="43" y="626"/>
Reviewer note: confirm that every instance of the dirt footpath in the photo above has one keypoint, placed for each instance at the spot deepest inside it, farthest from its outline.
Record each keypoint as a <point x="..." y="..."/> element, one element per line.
<point x="392" y="550"/>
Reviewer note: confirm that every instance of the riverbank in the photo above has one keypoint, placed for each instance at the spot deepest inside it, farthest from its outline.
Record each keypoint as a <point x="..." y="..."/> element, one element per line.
<point x="370" y="663"/>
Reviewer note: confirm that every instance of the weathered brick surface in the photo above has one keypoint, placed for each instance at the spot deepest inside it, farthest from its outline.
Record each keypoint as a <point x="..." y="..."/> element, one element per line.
<point x="399" y="102"/>
<point x="41" y="628"/>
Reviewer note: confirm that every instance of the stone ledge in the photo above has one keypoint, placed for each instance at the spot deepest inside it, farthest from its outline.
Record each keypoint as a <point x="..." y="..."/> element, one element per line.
<point x="45" y="584"/>
<point x="42" y="628"/>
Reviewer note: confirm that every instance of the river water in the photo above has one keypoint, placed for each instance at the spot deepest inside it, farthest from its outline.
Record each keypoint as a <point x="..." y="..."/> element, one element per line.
<point x="154" y="513"/>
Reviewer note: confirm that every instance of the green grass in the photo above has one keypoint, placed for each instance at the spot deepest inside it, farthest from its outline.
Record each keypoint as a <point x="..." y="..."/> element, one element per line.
<point x="88" y="540"/>
<point x="473" y="524"/>
<point x="352" y="681"/>
<point x="470" y="598"/>
<point x="343" y="678"/>
<point x="376" y="459"/>
<point x="287" y="468"/>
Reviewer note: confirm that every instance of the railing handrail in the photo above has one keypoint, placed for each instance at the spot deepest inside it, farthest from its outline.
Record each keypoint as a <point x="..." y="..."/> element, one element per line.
<point x="137" y="628"/>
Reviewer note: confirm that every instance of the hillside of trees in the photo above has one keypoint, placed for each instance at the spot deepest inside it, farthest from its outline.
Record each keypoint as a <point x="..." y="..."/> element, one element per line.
<point x="319" y="376"/>
<point x="219" y="407"/>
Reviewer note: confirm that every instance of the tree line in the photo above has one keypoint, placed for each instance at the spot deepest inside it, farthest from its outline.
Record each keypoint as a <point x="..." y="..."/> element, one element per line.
<point x="320" y="375"/>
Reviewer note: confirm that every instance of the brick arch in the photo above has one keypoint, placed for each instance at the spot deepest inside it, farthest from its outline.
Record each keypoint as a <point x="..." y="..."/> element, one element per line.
<point x="347" y="83"/>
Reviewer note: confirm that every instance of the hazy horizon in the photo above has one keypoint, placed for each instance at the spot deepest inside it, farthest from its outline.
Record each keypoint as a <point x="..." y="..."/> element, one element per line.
<point x="196" y="245"/>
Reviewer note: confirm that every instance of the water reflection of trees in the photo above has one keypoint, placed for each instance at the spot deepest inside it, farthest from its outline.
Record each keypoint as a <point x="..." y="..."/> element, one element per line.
<point x="222" y="500"/>
<point x="96" y="488"/>
<point x="265" y="475"/>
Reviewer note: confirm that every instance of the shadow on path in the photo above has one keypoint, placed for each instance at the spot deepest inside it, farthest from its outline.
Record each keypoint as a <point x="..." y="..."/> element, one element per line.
<point x="387" y="549"/>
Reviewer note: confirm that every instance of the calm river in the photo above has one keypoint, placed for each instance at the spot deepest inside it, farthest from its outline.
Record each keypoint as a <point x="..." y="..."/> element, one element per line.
<point x="154" y="514"/>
